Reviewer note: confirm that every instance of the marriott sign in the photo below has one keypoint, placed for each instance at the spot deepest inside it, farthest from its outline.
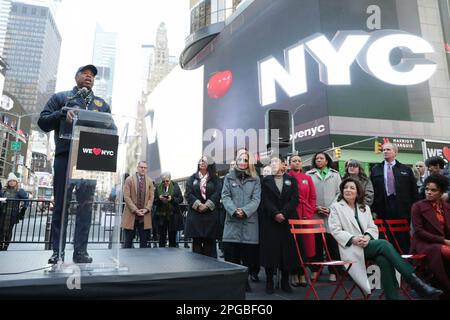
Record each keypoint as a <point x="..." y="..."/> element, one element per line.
<point x="371" y="50"/>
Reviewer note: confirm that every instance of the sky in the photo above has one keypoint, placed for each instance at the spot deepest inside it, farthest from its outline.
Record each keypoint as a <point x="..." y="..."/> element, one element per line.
<point x="135" y="21"/>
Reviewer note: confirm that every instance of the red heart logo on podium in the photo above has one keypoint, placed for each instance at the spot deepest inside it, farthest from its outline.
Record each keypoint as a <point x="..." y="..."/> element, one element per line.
<point x="97" y="151"/>
<point x="446" y="152"/>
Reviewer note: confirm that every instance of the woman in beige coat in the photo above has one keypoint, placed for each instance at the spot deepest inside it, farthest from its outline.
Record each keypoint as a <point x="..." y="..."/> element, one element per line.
<point x="351" y="224"/>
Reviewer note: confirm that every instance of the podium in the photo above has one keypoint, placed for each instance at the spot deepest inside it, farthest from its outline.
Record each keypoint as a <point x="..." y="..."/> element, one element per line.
<point x="97" y="163"/>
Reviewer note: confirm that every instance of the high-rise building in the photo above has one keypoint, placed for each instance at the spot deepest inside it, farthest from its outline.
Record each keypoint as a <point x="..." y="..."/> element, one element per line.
<point x="104" y="58"/>
<point x="32" y="49"/>
<point x="147" y="53"/>
<point x="157" y="64"/>
<point x="5" y="7"/>
<point x="161" y="64"/>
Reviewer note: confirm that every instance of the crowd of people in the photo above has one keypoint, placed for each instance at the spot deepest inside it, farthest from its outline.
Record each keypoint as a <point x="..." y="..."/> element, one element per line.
<point x="249" y="211"/>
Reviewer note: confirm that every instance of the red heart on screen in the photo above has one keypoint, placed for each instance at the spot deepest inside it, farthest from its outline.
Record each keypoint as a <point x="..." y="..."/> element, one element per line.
<point x="219" y="84"/>
<point x="97" y="151"/>
<point x="446" y="152"/>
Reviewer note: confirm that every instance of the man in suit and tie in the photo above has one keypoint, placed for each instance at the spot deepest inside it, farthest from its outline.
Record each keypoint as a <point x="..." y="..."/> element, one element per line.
<point x="395" y="190"/>
<point x="138" y="194"/>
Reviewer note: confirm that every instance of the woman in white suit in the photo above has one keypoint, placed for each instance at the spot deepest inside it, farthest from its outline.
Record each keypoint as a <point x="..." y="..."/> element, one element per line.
<point x="352" y="226"/>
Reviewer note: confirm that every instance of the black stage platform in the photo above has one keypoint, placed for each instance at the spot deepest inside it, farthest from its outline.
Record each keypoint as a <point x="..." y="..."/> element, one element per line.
<point x="156" y="273"/>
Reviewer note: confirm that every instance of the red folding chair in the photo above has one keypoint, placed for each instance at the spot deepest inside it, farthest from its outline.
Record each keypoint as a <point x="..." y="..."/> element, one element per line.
<point x="417" y="260"/>
<point x="316" y="226"/>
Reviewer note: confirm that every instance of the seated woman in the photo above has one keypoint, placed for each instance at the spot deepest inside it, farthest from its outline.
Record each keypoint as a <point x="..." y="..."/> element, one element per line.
<point x="352" y="226"/>
<point x="431" y="223"/>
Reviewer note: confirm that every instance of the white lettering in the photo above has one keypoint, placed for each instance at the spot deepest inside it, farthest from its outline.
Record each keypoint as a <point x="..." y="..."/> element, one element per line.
<point x="86" y="150"/>
<point x="375" y="58"/>
<point x="107" y="153"/>
<point x="151" y="131"/>
<point x="334" y="64"/>
<point x="291" y="79"/>
<point x="434" y="152"/>
<point x="311" y="132"/>
<point x="374" y="21"/>
<point x="372" y="51"/>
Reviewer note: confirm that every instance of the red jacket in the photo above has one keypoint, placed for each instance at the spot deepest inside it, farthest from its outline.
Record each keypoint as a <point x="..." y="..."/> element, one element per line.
<point x="306" y="206"/>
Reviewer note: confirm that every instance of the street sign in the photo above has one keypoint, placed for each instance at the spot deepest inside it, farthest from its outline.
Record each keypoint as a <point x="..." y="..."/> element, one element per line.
<point x="16" y="146"/>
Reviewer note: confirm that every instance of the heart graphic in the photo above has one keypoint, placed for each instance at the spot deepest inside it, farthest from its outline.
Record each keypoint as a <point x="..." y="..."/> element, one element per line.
<point x="219" y="84"/>
<point x="97" y="151"/>
<point x="446" y="152"/>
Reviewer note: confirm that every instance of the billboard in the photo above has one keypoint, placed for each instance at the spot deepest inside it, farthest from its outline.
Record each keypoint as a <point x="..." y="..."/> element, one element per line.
<point x="276" y="31"/>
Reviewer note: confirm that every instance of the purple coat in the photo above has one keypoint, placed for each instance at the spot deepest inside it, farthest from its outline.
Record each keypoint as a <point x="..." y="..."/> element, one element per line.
<point x="428" y="238"/>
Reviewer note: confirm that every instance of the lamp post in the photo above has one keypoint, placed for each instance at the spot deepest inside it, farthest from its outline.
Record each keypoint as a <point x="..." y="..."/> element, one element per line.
<point x="293" y="129"/>
<point x="19" y="120"/>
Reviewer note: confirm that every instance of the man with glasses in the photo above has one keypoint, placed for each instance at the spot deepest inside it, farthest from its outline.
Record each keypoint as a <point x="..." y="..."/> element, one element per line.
<point x="138" y="194"/>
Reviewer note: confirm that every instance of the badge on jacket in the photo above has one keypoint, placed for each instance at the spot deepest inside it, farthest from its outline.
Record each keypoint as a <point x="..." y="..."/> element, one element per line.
<point x="304" y="181"/>
<point x="195" y="182"/>
<point x="288" y="183"/>
<point x="98" y="103"/>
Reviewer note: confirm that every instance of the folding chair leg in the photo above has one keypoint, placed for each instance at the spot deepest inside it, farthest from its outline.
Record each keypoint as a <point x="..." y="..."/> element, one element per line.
<point x="312" y="284"/>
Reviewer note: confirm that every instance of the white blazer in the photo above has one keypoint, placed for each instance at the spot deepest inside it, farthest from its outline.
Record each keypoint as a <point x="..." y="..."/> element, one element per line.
<point x="343" y="226"/>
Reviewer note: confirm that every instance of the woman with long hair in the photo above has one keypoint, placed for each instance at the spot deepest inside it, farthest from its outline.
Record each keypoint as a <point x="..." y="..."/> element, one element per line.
<point x="352" y="225"/>
<point x="203" y="191"/>
<point x="241" y="195"/>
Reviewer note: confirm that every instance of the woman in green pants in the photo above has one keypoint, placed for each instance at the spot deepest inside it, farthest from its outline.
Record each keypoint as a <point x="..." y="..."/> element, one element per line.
<point x="352" y="226"/>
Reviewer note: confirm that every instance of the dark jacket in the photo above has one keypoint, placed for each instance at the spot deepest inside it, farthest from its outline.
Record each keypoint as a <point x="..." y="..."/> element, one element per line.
<point x="405" y="190"/>
<point x="429" y="237"/>
<point x="176" y="219"/>
<point x="52" y="114"/>
<point x="207" y="224"/>
<point x="277" y="247"/>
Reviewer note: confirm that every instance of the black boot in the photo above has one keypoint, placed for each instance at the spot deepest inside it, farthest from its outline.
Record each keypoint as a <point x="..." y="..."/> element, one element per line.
<point x="55" y="257"/>
<point x="285" y="282"/>
<point x="81" y="257"/>
<point x="269" y="287"/>
<point x="423" y="289"/>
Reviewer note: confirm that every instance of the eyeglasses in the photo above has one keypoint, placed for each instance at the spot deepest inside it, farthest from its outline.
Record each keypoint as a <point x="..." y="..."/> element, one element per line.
<point x="166" y="181"/>
<point x="242" y="160"/>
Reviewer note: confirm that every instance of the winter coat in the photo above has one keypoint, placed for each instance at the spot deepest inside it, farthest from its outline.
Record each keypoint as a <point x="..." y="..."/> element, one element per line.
<point x="130" y="195"/>
<point x="277" y="246"/>
<point x="306" y="207"/>
<point x="206" y="224"/>
<point x="327" y="190"/>
<point x="244" y="194"/>
<point x="343" y="226"/>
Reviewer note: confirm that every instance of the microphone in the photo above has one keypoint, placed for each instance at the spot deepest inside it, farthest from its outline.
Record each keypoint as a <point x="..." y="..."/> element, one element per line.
<point x="81" y="93"/>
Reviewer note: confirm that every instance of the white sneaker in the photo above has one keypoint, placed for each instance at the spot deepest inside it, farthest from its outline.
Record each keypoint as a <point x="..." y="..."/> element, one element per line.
<point x="332" y="278"/>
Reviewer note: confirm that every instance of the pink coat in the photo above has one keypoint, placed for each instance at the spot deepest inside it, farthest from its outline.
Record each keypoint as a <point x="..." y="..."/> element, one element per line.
<point x="306" y="206"/>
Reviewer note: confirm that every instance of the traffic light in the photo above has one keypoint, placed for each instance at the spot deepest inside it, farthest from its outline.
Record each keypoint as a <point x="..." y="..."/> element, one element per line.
<point x="378" y="148"/>
<point x="337" y="153"/>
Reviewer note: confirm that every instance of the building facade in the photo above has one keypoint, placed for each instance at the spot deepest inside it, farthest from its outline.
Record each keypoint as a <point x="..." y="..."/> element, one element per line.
<point x="31" y="51"/>
<point x="104" y="58"/>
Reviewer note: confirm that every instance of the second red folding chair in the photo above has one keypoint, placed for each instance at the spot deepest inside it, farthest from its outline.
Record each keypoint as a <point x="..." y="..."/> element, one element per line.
<point x="301" y="227"/>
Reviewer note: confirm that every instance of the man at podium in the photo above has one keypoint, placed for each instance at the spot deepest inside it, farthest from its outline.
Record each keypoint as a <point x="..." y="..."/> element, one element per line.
<point x="80" y="97"/>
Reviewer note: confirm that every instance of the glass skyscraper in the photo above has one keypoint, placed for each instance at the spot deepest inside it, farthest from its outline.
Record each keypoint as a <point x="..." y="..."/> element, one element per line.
<point x="32" y="49"/>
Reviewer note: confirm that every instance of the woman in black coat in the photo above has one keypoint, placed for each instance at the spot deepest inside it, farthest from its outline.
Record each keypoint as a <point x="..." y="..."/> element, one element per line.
<point x="203" y="190"/>
<point x="280" y="194"/>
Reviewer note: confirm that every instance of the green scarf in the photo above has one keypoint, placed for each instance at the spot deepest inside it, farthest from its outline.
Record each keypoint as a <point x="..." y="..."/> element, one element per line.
<point x="165" y="209"/>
